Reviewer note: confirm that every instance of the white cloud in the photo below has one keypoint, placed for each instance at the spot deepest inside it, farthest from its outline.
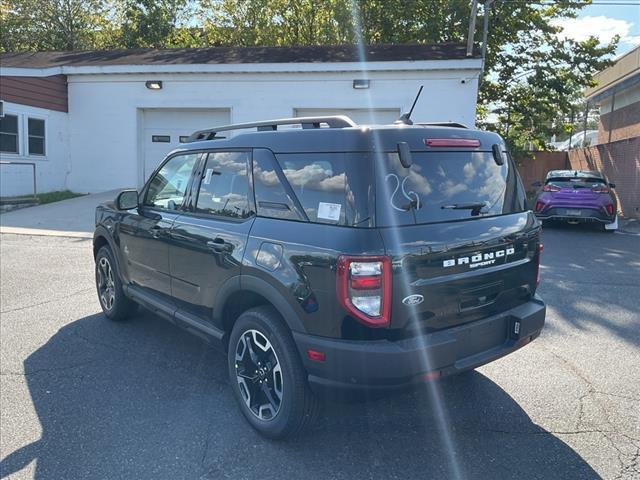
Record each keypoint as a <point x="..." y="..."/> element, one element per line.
<point x="601" y="27"/>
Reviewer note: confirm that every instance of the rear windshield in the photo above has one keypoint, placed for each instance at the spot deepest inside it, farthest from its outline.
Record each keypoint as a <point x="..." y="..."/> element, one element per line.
<point x="575" y="182"/>
<point x="445" y="186"/>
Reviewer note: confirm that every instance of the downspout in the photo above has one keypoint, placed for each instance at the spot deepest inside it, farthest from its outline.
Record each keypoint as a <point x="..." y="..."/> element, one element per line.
<point x="613" y="102"/>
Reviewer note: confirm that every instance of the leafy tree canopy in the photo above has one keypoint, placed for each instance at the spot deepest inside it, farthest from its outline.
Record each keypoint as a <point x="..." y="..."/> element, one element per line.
<point x="533" y="79"/>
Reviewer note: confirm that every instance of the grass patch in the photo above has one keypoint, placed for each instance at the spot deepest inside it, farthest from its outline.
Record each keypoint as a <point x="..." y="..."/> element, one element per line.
<point x="48" y="197"/>
<point x="51" y="197"/>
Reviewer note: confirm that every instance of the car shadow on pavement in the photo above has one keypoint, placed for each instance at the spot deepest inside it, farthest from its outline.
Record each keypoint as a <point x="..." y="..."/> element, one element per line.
<point x="601" y="290"/>
<point x="144" y="399"/>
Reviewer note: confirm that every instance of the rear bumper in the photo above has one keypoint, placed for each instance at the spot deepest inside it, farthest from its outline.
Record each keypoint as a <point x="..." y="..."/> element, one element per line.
<point x="586" y="215"/>
<point x="385" y="365"/>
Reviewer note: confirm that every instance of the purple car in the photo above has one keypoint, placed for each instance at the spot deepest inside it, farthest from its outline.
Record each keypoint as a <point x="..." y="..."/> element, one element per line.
<point x="577" y="196"/>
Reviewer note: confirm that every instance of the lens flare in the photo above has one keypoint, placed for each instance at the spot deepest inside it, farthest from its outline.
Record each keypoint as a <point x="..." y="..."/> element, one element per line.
<point x="441" y="414"/>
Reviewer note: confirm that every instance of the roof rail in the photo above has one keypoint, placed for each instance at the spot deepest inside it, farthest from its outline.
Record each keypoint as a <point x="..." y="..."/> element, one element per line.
<point x="337" y="121"/>
<point x="443" y="124"/>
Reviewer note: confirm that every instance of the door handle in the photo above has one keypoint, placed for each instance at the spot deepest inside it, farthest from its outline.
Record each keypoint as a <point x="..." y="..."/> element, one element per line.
<point x="218" y="245"/>
<point x="156" y="231"/>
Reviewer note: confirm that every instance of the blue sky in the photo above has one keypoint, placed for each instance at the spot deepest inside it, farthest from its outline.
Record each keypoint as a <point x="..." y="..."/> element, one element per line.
<point x="605" y="19"/>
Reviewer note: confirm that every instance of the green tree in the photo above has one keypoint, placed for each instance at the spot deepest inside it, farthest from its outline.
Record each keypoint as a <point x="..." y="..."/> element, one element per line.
<point x="155" y="23"/>
<point x="51" y="24"/>
<point x="276" y="22"/>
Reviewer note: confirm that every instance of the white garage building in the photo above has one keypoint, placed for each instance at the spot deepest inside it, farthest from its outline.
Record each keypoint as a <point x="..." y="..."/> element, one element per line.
<point x="96" y="121"/>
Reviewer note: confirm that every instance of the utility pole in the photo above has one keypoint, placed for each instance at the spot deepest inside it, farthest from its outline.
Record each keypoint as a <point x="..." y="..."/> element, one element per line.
<point x="485" y="34"/>
<point x="472" y="27"/>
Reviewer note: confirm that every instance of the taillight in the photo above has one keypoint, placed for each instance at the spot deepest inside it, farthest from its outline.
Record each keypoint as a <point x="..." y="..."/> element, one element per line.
<point x="550" y="188"/>
<point x="609" y="208"/>
<point x="364" y="288"/>
<point x="538" y="206"/>
<point x="600" y="189"/>
<point x="452" y="142"/>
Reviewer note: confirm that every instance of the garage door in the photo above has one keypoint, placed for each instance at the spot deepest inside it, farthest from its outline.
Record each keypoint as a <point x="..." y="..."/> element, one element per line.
<point x="361" y="116"/>
<point x="164" y="129"/>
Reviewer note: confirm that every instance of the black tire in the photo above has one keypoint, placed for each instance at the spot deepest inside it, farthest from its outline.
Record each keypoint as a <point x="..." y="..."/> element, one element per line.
<point x="298" y="407"/>
<point x="121" y="307"/>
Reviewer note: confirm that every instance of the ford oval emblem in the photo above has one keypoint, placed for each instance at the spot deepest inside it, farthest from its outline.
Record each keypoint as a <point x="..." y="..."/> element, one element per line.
<point x="413" y="299"/>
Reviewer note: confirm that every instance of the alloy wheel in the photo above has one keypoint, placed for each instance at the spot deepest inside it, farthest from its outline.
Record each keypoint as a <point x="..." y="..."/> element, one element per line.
<point x="259" y="375"/>
<point x="106" y="285"/>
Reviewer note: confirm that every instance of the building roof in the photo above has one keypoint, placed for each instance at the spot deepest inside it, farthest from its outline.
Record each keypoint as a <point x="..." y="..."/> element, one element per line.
<point x="236" y="55"/>
<point x="625" y="72"/>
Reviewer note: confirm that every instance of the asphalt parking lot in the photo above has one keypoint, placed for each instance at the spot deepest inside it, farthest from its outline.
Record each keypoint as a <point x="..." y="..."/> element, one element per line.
<point x="82" y="397"/>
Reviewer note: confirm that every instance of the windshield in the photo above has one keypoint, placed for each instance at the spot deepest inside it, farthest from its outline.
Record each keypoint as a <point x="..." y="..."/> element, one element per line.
<point x="445" y="186"/>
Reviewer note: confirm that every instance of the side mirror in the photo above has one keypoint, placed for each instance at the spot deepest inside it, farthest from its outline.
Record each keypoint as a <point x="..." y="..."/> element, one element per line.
<point x="536" y="184"/>
<point x="127" y="200"/>
<point x="612" y="185"/>
<point x="405" y="154"/>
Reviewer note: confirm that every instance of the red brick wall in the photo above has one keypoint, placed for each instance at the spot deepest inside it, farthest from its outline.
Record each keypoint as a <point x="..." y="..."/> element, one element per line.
<point x="44" y="92"/>
<point x="623" y="123"/>
<point x="534" y="167"/>
<point x="620" y="161"/>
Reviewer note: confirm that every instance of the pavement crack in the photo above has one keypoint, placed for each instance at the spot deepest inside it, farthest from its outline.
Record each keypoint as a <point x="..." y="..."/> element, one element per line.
<point x="48" y="370"/>
<point x="84" y="290"/>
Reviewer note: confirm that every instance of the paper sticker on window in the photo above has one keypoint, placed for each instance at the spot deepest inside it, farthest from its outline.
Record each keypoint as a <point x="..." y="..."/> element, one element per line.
<point x="207" y="176"/>
<point x="329" y="211"/>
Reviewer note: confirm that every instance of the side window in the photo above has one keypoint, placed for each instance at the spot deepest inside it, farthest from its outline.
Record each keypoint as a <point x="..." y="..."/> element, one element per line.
<point x="319" y="182"/>
<point x="35" y="129"/>
<point x="9" y="134"/>
<point x="272" y="199"/>
<point x="224" y="189"/>
<point x="168" y="187"/>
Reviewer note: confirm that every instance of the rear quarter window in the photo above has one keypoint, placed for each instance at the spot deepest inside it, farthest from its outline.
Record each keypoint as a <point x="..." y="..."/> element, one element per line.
<point x="333" y="188"/>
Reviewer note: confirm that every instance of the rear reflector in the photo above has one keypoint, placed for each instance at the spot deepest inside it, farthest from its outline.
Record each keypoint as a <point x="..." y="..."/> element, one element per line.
<point x="452" y="142"/>
<point x="316" y="356"/>
<point x="425" y="377"/>
<point x="610" y="209"/>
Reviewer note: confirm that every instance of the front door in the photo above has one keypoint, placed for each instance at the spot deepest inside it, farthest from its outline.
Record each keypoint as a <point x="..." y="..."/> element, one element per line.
<point x="208" y="242"/>
<point x="145" y="245"/>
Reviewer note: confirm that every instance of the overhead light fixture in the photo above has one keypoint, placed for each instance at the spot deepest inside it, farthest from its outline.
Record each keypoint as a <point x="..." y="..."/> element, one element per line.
<point x="360" y="84"/>
<point x="153" y="84"/>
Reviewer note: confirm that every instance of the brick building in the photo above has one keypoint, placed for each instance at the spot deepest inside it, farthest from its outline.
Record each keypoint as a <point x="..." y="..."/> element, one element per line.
<point x="617" y="94"/>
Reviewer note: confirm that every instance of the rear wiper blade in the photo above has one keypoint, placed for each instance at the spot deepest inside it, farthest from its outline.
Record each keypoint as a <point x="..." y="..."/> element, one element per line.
<point x="475" y="207"/>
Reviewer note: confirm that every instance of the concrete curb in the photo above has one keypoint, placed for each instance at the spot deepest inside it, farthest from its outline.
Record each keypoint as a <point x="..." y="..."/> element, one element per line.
<point x="44" y="233"/>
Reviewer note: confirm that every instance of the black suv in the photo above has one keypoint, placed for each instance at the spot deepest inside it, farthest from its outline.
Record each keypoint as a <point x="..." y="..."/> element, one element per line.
<point x="332" y="257"/>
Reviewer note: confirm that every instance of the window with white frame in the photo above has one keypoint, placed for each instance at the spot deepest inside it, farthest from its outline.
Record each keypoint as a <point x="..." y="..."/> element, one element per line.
<point x="9" y="134"/>
<point x="36" y="136"/>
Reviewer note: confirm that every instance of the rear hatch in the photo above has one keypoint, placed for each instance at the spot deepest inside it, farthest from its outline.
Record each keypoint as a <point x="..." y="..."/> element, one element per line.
<point x="462" y="245"/>
<point x="576" y="191"/>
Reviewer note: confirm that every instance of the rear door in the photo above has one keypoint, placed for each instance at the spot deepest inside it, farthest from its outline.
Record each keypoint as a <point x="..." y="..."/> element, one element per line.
<point x="461" y="243"/>
<point x="209" y="241"/>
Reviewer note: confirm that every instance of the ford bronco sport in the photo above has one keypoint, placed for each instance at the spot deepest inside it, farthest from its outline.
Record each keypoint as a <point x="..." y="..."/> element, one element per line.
<point x="332" y="257"/>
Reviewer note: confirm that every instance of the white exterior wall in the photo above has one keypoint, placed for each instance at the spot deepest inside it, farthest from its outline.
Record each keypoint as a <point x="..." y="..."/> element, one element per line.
<point x="52" y="168"/>
<point x="105" y="110"/>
